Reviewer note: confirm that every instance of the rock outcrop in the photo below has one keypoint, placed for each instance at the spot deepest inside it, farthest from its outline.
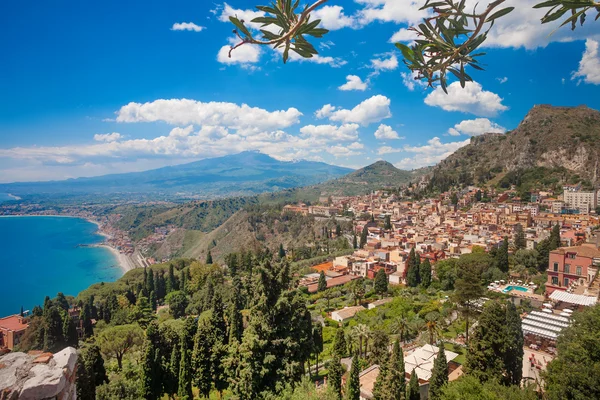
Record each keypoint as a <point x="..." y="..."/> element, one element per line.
<point x="38" y="376"/>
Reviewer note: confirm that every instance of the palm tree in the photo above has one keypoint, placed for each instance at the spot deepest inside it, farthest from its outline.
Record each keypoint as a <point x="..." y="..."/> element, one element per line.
<point x="361" y="333"/>
<point x="401" y="327"/>
<point x="433" y="324"/>
<point x="416" y="326"/>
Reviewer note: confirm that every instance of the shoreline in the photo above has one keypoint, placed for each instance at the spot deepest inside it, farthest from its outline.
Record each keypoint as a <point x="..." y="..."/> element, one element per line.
<point x="126" y="263"/>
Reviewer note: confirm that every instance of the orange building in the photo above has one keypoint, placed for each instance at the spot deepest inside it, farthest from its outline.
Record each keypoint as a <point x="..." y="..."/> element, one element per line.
<point x="11" y="330"/>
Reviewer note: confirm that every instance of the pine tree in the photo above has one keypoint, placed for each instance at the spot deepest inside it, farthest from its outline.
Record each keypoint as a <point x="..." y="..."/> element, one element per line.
<point x="353" y="384"/>
<point x="209" y="259"/>
<point x="413" y="392"/>
<point x="322" y="282"/>
<point x="336" y="371"/>
<point x="502" y="256"/>
<point x="520" y="240"/>
<point x="425" y="273"/>
<point x="381" y="282"/>
<point x="317" y="343"/>
<point x="439" y="375"/>
<point x="281" y="251"/>
<point x="363" y="237"/>
<point x="339" y="343"/>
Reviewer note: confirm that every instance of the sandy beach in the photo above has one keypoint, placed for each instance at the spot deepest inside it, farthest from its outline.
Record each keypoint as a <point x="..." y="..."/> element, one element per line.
<point x="126" y="262"/>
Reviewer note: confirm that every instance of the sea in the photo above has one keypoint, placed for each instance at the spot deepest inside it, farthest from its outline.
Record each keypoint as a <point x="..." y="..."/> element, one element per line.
<point x="42" y="256"/>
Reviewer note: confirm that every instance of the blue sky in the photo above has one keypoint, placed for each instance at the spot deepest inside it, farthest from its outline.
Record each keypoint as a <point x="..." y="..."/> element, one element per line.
<point x="90" y="88"/>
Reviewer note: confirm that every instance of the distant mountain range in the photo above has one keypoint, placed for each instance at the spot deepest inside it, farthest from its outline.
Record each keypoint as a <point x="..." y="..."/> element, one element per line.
<point x="550" y="147"/>
<point x="242" y="174"/>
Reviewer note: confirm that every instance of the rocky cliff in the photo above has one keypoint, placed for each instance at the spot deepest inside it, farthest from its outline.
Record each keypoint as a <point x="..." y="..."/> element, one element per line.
<point x="38" y="375"/>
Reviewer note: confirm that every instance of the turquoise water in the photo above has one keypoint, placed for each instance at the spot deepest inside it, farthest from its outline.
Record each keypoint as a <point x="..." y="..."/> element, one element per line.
<point x="39" y="256"/>
<point x="517" y="288"/>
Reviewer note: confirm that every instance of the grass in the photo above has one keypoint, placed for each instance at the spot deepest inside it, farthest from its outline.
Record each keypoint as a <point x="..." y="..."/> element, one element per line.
<point x="462" y="355"/>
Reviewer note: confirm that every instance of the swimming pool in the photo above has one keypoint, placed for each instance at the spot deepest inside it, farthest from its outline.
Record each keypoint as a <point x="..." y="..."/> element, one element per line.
<point x="517" y="288"/>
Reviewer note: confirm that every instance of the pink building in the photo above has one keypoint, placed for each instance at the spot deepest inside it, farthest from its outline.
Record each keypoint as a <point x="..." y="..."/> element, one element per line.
<point x="572" y="266"/>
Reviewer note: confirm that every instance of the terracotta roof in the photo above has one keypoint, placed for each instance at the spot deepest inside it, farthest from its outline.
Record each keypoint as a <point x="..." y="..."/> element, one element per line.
<point x="13" y="323"/>
<point x="589" y="251"/>
<point x="340" y="280"/>
<point x="323" y="267"/>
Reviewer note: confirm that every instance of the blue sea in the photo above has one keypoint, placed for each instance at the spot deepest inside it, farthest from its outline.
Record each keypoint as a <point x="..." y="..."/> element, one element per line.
<point x="40" y="256"/>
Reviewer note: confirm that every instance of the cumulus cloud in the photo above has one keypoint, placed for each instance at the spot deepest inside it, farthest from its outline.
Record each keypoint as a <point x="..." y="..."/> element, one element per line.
<point x="403" y="35"/>
<point x="187" y="26"/>
<point x="385" y="132"/>
<point x="431" y="153"/>
<point x="472" y="99"/>
<point x="476" y="127"/>
<point x="354" y="82"/>
<point x="589" y="66"/>
<point x="398" y="11"/>
<point x="356" y="146"/>
<point x="230" y="115"/>
<point x="333" y="18"/>
<point x="387" y="150"/>
<point x="245" y="55"/>
<point x="325" y="111"/>
<point x="346" y="132"/>
<point x="107" y="137"/>
<point x="342" y="151"/>
<point x="502" y="80"/>
<point x="387" y="62"/>
<point x="245" y="15"/>
<point x="374" y="109"/>
<point x="409" y="79"/>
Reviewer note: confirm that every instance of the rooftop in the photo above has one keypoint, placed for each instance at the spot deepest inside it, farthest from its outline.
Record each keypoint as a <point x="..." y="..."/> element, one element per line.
<point x="421" y="360"/>
<point x="13" y="323"/>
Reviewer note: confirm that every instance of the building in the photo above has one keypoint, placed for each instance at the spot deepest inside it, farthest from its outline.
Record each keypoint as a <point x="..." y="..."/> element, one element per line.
<point x="582" y="201"/>
<point x="570" y="267"/>
<point x="346" y="313"/>
<point x="12" y="328"/>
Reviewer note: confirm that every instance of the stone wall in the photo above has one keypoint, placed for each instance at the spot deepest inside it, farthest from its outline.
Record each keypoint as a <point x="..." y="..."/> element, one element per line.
<point x="38" y="376"/>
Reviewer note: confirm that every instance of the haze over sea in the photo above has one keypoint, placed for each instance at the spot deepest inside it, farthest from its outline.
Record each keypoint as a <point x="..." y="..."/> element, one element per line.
<point x="40" y="256"/>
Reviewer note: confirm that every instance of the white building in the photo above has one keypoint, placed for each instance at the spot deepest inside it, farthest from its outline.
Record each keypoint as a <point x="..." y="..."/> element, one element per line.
<point x="582" y="201"/>
<point x="346" y="313"/>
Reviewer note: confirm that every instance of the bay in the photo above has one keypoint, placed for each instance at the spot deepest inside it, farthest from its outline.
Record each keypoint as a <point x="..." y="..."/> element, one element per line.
<point x="41" y="256"/>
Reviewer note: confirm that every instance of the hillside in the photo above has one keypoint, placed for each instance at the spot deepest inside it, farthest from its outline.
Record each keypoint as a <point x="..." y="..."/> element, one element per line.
<point x="242" y="174"/>
<point x="551" y="146"/>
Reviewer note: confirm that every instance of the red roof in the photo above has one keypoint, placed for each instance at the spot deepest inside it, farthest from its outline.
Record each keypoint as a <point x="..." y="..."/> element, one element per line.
<point x="13" y="323"/>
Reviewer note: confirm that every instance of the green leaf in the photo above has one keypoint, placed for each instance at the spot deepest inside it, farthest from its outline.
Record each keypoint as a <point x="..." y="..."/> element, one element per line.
<point x="407" y="52"/>
<point x="550" y="3"/>
<point x="554" y="16"/>
<point x="499" y="13"/>
<point x="286" y="53"/>
<point x="239" y="25"/>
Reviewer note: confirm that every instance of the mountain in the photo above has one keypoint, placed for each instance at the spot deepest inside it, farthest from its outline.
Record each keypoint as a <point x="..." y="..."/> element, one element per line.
<point x="550" y="147"/>
<point x="241" y="174"/>
<point x="376" y="176"/>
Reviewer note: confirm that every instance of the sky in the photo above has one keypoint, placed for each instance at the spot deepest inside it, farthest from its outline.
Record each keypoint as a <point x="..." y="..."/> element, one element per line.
<point x="91" y="88"/>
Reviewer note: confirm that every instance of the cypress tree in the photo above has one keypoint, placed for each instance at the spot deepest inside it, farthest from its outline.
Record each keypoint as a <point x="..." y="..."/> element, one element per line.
<point x="363" y="237"/>
<point x="413" y="392"/>
<point x="502" y="256"/>
<point x="322" y="282"/>
<point x="152" y="299"/>
<point x="152" y="365"/>
<point x="85" y="388"/>
<point x="388" y="223"/>
<point x="236" y="320"/>
<point x="161" y="286"/>
<point x="412" y="275"/>
<point x="353" y="383"/>
<point x="439" y="375"/>
<point x="317" y="343"/>
<point x="339" y="343"/>
<point x="381" y="282"/>
<point x="201" y="357"/>
<point x="520" y="240"/>
<point x="354" y="243"/>
<point x="172" y="372"/>
<point x="209" y="259"/>
<point x="69" y="330"/>
<point x="513" y="358"/>
<point x="281" y="251"/>
<point x="184" y="390"/>
<point x="95" y="365"/>
<point x="338" y="230"/>
<point x="554" y="238"/>
<point x="395" y="385"/>
<point x="425" y="273"/>
<point x="336" y="371"/>
<point x="170" y="283"/>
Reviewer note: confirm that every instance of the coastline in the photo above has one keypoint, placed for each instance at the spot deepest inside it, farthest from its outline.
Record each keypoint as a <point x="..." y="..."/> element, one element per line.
<point x="126" y="263"/>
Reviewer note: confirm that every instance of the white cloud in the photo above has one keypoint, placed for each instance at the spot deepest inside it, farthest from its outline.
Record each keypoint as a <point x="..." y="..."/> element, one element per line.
<point x="356" y="146"/>
<point x="245" y="55"/>
<point x="385" y="132"/>
<point x="374" y="109"/>
<point x="245" y="15"/>
<point x="107" y="137"/>
<point x="398" y="11"/>
<point x="333" y="18"/>
<point x="346" y="132"/>
<point x="431" y="153"/>
<point x="502" y="80"/>
<point x="403" y="35"/>
<point x="230" y="115"/>
<point x="187" y="26"/>
<point x="476" y="127"/>
<point x="387" y="150"/>
<point x="472" y="99"/>
<point x="354" y="82"/>
<point x="342" y="151"/>
<point x="589" y="66"/>
<point x="388" y="62"/>
<point x="408" y="79"/>
<point x="325" y="111"/>
<point x="334" y="62"/>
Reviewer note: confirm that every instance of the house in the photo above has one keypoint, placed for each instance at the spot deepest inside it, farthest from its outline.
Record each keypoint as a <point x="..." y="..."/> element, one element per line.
<point x="378" y="303"/>
<point x="12" y="328"/>
<point x="572" y="266"/>
<point x="332" y="282"/>
<point x="346" y="313"/>
<point x="367" y="380"/>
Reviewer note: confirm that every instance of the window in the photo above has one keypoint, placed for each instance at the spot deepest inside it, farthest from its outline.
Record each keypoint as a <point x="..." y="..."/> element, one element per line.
<point x="555" y="280"/>
<point x="567" y="268"/>
<point x="566" y="282"/>
<point x="578" y="270"/>
<point x="555" y="267"/>
<point x="571" y="256"/>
